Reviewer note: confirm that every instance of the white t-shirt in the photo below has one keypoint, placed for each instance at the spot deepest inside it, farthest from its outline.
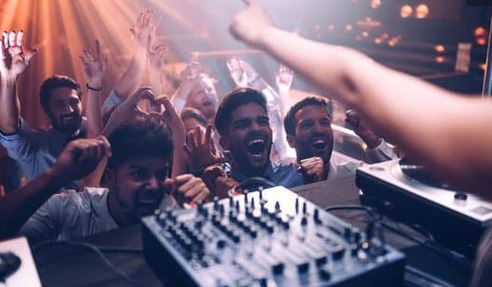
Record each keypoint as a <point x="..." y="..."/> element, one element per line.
<point x="70" y="215"/>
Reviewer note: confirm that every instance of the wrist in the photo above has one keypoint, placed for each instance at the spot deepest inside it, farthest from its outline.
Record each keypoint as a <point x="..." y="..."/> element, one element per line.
<point x="95" y="87"/>
<point x="8" y="79"/>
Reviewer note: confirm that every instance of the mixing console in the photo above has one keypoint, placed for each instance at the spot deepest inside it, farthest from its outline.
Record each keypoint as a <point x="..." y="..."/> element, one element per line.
<point x="266" y="238"/>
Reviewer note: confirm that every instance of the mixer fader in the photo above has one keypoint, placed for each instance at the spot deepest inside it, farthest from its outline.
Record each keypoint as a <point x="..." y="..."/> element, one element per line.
<point x="265" y="238"/>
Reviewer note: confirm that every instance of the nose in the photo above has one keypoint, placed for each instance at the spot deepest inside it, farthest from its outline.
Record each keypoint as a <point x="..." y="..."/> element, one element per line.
<point x="153" y="183"/>
<point x="68" y="109"/>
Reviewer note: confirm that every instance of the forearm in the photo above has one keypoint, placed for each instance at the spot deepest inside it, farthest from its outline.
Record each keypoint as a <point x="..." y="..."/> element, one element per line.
<point x="9" y="106"/>
<point x="130" y="81"/>
<point x="94" y="117"/>
<point x="18" y="206"/>
<point x="179" y="156"/>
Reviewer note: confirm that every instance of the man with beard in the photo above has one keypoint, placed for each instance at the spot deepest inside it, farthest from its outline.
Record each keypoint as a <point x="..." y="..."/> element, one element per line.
<point x="309" y="132"/>
<point x="244" y="128"/>
<point x="60" y="98"/>
<point x="137" y="183"/>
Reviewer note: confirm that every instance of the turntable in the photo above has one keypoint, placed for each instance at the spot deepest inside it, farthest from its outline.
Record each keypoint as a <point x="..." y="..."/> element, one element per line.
<point x="407" y="193"/>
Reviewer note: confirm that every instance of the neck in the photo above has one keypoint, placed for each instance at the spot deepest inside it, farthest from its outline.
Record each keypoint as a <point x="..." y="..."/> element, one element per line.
<point x="119" y="216"/>
<point x="248" y="170"/>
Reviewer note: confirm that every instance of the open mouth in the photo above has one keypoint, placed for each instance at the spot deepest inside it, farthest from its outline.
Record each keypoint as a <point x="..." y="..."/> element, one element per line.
<point x="320" y="143"/>
<point x="68" y="118"/>
<point x="256" y="146"/>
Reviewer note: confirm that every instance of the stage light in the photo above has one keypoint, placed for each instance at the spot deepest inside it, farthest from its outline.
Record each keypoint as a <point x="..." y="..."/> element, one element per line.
<point x="480" y="34"/>
<point x="406" y="11"/>
<point x="348" y="28"/>
<point x="440" y="48"/>
<point x="421" y="11"/>
<point x="439" y="59"/>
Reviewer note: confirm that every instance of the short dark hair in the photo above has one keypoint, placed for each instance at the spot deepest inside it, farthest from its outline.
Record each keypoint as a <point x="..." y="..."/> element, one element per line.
<point x="140" y="137"/>
<point x="192" y="113"/>
<point x="236" y="98"/>
<point x="56" y="82"/>
<point x="290" y="118"/>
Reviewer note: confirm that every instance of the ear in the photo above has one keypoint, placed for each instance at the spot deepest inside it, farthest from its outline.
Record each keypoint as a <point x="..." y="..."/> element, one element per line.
<point x="292" y="141"/>
<point x="224" y="143"/>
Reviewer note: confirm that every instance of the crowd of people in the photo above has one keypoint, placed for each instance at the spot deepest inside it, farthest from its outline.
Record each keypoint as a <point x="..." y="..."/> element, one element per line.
<point x="97" y="169"/>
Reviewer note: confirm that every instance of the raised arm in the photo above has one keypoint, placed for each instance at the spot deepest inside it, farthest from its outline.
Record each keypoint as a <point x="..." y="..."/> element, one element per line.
<point x="13" y="61"/>
<point x="77" y="159"/>
<point x="448" y="133"/>
<point x="142" y="33"/>
<point x="94" y="68"/>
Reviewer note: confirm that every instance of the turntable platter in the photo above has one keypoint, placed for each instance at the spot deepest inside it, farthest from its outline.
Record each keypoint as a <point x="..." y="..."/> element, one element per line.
<point x="419" y="173"/>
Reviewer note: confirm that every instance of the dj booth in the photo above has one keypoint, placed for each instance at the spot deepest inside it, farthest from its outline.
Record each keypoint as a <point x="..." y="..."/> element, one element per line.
<point x="116" y="258"/>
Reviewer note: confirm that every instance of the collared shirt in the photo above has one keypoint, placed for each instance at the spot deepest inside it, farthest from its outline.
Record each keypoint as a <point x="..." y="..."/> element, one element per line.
<point x="70" y="215"/>
<point x="36" y="151"/>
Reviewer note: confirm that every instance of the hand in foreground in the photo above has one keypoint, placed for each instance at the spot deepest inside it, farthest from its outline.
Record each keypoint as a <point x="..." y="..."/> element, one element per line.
<point x="80" y="157"/>
<point x="312" y="168"/>
<point x="217" y="181"/>
<point x="201" y="151"/>
<point x="13" y="58"/>
<point x="250" y="24"/>
<point x="190" y="189"/>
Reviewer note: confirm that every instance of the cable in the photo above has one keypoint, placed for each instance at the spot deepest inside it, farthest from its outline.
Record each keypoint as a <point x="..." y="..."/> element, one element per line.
<point x="98" y="251"/>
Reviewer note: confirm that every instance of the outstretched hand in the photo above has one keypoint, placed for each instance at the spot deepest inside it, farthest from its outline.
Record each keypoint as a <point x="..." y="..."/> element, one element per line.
<point x="143" y="31"/>
<point x="284" y="79"/>
<point x="13" y="58"/>
<point x="94" y="66"/>
<point x="201" y="150"/>
<point x="250" y="24"/>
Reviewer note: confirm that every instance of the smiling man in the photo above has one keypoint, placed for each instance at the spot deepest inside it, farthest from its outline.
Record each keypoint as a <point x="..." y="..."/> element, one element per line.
<point x="244" y="127"/>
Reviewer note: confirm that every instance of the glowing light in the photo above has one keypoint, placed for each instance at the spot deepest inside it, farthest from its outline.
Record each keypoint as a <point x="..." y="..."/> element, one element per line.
<point x="481" y="36"/>
<point x="378" y="41"/>
<point x="348" y="28"/>
<point x="421" y="11"/>
<point x="365" y="34"/>
<point x="406" y="11"/>
<point x="331" y="27"/>
<point x="439" y="59"/>
<point x="375" y="4"/>
<point x="483" y="66"/>
<point x="440" y="48"/>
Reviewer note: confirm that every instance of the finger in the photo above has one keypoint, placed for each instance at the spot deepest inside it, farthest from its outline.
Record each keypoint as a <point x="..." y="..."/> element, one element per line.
<point x="191" y="187"/>
<point x="202" y="196"/>
<point x="98" y="49"/>
<point x="12" y="35"/>
<point x="29" y="55"/>
<point x="84" y="61"/>
<point x="20" y="36"/>
<point x="194" y="141"/>
<point x="5" y="39"/>
<point x="199" y="136"/>
<point x="181" y="179"/>
<point x="107" y="145"/>
<point x="208" y="135"/>
<point x="187" y="150"/>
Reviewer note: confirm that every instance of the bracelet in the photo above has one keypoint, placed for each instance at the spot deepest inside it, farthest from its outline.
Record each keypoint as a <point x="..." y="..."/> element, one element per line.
<point x="93" y="89"/>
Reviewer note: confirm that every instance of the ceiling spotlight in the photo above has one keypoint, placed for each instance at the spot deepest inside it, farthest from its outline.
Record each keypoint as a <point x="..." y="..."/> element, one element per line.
<point x="375" y="4"/>
<point x="421" y="11"/>
<point x="440" y="48"/>
<point x="406" y="11"/>
<point x="480" y="34"/>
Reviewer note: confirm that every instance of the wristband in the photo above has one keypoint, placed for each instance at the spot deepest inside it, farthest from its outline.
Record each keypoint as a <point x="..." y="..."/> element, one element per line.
<point x="94" y="89"/>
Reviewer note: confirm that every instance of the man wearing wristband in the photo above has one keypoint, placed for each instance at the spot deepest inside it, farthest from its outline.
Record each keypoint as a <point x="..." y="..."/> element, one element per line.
<point x="60" y="97"/>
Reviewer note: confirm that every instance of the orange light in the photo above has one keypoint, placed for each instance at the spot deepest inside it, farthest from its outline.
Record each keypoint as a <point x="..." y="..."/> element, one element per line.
<point x="439" y="59"/>
<point x="483" y="66"/>
<point x="331" y="27"/>
<point x="440" y="48"/>
<point x="378" y="40"/>
<point x="481" y="36"/>
<point x="406" y="11"/>
<point x="421" y="11"/>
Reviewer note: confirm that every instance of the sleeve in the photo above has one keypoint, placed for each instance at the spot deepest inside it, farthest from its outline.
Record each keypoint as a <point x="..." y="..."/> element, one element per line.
<point x="20" y="146"/>
<point x="383" y="152"/>
<point x="42" y="225"/>
<point x="113" y="100"/>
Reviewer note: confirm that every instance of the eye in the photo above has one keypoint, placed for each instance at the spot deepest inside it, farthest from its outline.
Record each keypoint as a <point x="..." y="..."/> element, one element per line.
<point x="138" y="175"/>
<point x="263" y="121"/>
<point x="306" y="124"/>
<point x="325" y="122"/>
<point x="242" y="124"/>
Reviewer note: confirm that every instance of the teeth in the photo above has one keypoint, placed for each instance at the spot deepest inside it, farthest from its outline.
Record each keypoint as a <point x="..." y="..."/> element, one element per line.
<point x="319" y="141"/>
<point x="255" y="141"/>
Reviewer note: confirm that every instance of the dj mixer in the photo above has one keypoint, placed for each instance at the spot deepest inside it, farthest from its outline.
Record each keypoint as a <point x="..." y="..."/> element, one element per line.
<point x="270" y="237"/>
